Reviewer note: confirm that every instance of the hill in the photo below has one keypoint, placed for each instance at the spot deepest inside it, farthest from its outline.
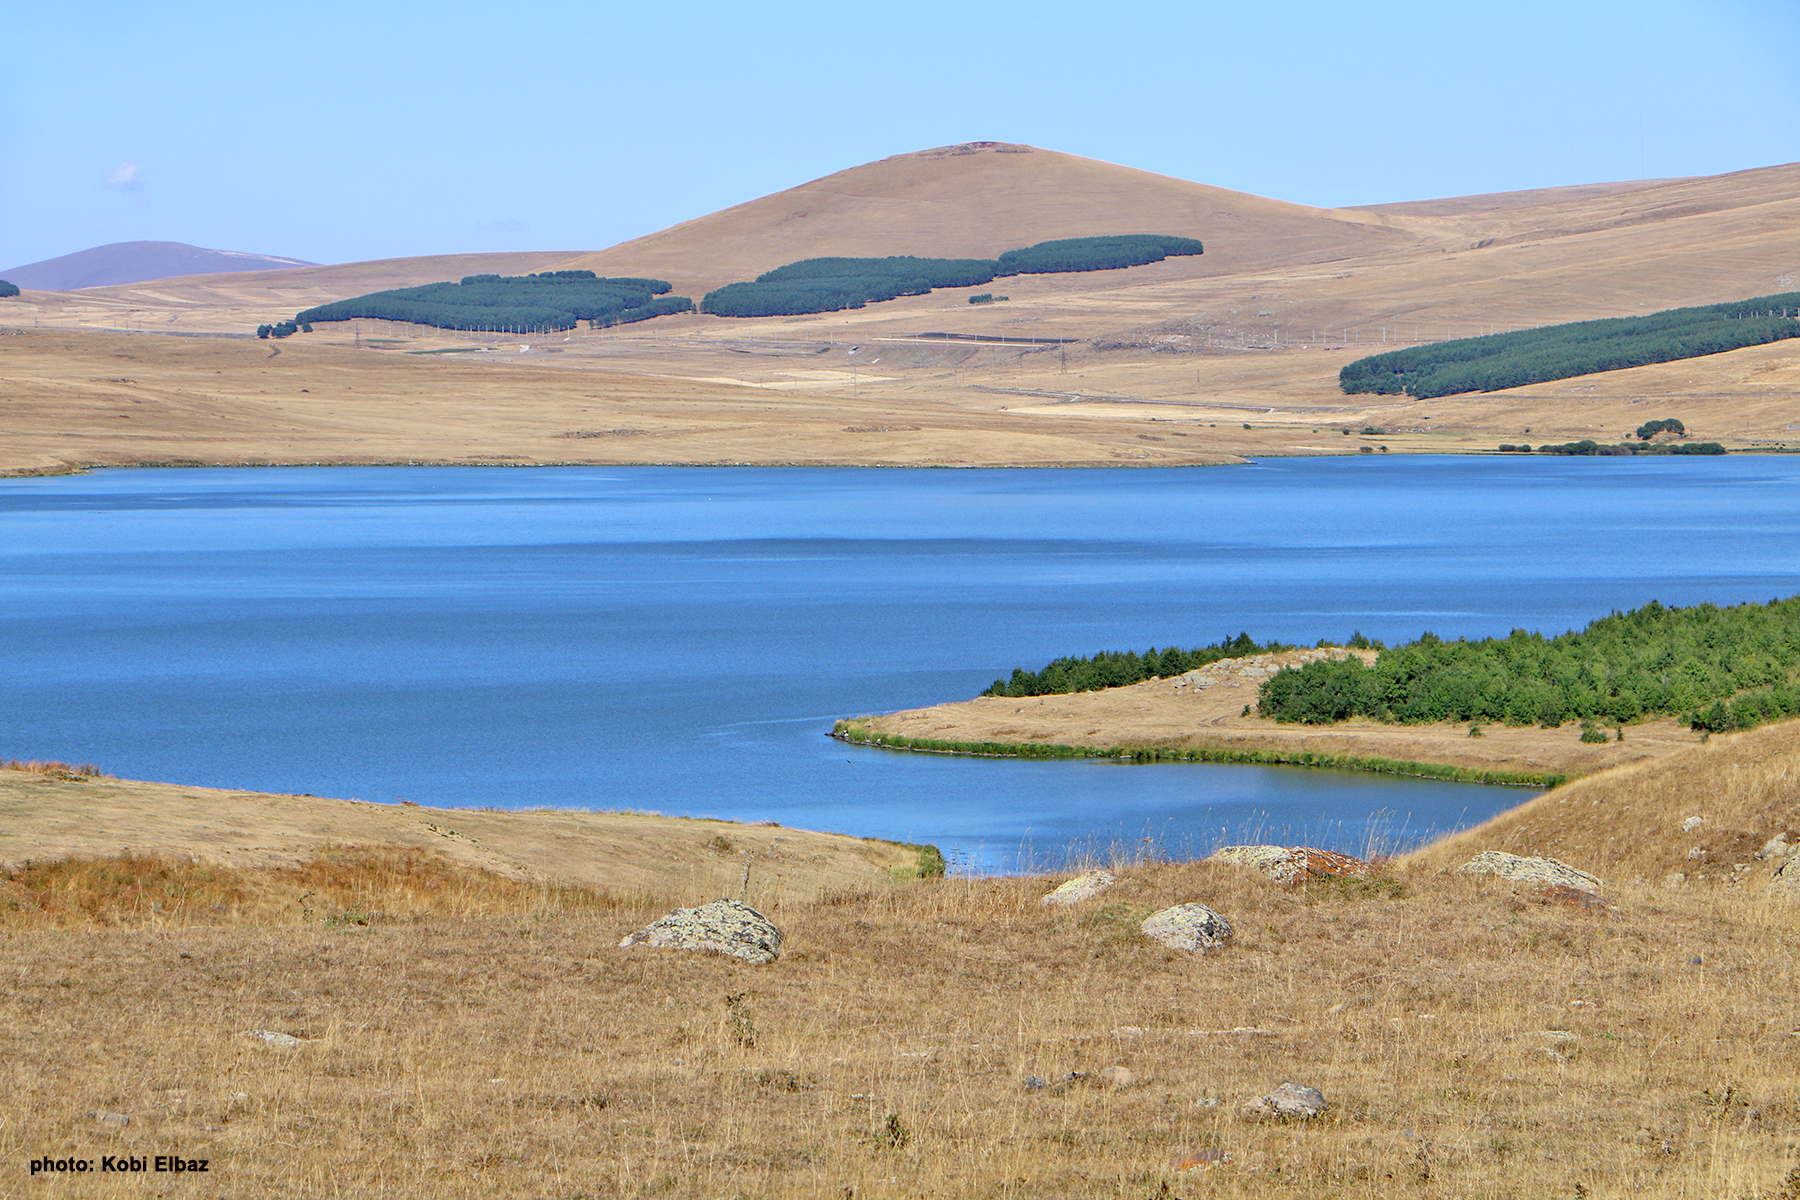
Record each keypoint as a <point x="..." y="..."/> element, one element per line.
<point x="1161" y="363"/>
<point x="979" y="200"/>
<point x="134" y="262"/>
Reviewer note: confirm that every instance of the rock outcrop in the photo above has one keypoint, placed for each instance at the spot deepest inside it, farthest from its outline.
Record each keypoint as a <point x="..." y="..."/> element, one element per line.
<point x="1187" y="927"/>
<point x="724" y="926"/>
<point x="1084" y="886"/>
<point x="1290" y="1101"/>
<point x="1291" y="864"/>
<point x="1547" y="871"/>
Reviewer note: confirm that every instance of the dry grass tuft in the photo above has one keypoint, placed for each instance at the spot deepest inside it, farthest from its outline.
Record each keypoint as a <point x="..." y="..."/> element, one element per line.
<point x="352" y="885"/>
<point x="53" y="769"/>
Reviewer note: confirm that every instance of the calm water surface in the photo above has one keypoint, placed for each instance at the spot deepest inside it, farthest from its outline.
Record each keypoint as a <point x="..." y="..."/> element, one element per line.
<point x="680" y="639"/>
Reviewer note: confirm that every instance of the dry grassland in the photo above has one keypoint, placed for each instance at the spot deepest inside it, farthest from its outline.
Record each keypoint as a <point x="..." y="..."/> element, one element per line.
<point x="463" y="1034"/>
<point x="53" y="813"/>
<point x="1174" y="712"/>
<point x="1190" y="361"/>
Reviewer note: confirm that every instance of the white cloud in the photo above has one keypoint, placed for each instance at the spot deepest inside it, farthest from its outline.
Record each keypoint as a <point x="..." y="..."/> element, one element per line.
<point x="126" y="178"/>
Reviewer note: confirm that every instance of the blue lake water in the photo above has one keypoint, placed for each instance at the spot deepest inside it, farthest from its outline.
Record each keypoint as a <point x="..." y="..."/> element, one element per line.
<point x="679" y="639"/>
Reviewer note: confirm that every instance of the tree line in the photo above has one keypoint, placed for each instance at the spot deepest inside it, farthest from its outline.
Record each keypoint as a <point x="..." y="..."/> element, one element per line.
<point x="544" y="302"/>
<point x="1716" y="668"/>
<point x="1509" y="360"/>
<point x="8" y="289"/>
<point x="1118" y="668"/>
<point x="832" y="284"/>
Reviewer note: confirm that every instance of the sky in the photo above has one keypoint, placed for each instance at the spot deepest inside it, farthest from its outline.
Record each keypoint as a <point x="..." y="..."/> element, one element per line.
<point x="339" y="132"/>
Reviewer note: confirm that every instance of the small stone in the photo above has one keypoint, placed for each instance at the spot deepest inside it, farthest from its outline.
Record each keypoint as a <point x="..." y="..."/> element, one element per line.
<point x="726" y="926"/>
<point x="1291" y="1101"/>
<point x="1118" y="1077"/>
<point x="281" y="1041"/>
<point x="1529" y="870"/>
<point x="1034" y="1083"/>
<point x="1689" y="825"/>
<point x="1083" y="886"/>
<point x="110" y="1120"/>
<point x="1776" y="847"/>
<point x="1187" y="927"/>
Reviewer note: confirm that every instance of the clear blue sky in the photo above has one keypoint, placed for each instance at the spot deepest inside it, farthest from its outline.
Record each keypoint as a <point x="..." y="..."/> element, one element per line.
<point x="335" y="132"/>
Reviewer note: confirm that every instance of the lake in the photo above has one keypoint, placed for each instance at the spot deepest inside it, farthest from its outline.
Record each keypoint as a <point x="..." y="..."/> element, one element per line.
<point x="680" y="639"/>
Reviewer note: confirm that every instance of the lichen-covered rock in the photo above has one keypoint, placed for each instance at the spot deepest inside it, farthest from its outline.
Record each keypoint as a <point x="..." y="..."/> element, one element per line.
<point x="1083" y="886"/>
<point x="1292" y="1101"/>
<point x="1187" y="927"/>
<point x="1529" y="870"/>
<point x="1291" y="864"/>
<point x="725" y="926"/>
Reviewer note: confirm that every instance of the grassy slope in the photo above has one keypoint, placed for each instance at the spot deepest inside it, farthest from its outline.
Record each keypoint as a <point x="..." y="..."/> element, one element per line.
<point x="1627" y="822"/>
<point x="44" y="818"/>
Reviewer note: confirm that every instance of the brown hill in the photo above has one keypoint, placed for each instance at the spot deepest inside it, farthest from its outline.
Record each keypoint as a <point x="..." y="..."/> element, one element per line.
<point x="982" y="198"/>
<point x="134" y="262"/>
<point x="1165" y="363"/>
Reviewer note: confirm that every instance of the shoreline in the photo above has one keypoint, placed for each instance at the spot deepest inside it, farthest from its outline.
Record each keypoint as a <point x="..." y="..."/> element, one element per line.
<point x="851" y="732"/>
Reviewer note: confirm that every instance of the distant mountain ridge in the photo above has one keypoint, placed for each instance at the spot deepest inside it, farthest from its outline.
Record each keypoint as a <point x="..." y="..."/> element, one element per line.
<point x="135" y="262"/>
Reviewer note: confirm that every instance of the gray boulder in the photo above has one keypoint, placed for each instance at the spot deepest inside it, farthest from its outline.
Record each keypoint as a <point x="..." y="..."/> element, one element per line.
<point x="1530" y="870"/>
<point x="1290" y="1101"/>
<point x="725" y="926"/>
<point x="1187" y="927"/>
<point x="1083" y="886"/>
<point x="1291" y="864"/>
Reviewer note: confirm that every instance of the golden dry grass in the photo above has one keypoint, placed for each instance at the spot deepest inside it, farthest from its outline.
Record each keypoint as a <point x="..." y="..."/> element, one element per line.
<point x="1172" y="360"/>
<point x="1473" y="1041"/>
<point x="1631" y="822"/>
<point x="52" y="814"/>
<point x="466" y="1033"/>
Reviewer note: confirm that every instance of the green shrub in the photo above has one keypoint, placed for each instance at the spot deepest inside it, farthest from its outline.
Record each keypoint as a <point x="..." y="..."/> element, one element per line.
<point x="1117" y="668"/>
<point x="1726" y="668"/>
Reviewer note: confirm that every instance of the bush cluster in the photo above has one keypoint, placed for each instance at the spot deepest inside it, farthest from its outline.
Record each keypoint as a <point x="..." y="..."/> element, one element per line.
<point x="8" y="289"/>
<point x="1588" y="446"/>
<point x="831" y="284"/>
<point x="1509" y="360"/>
<point x="1725" y="668"/>
<point x="1117" y="668"/>
<point x="552" y="300"/>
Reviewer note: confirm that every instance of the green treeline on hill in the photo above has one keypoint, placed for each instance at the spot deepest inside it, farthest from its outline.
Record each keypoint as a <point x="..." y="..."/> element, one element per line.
<point x="1509" y="360"/>
<point x="552" y="300"/>
<point x="1094" y="254"/>
<point x="1118" y="668"/>
<point x="831" y="284"/>
<point x="1719" y="668"/>
<point x="8" y="289"/>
